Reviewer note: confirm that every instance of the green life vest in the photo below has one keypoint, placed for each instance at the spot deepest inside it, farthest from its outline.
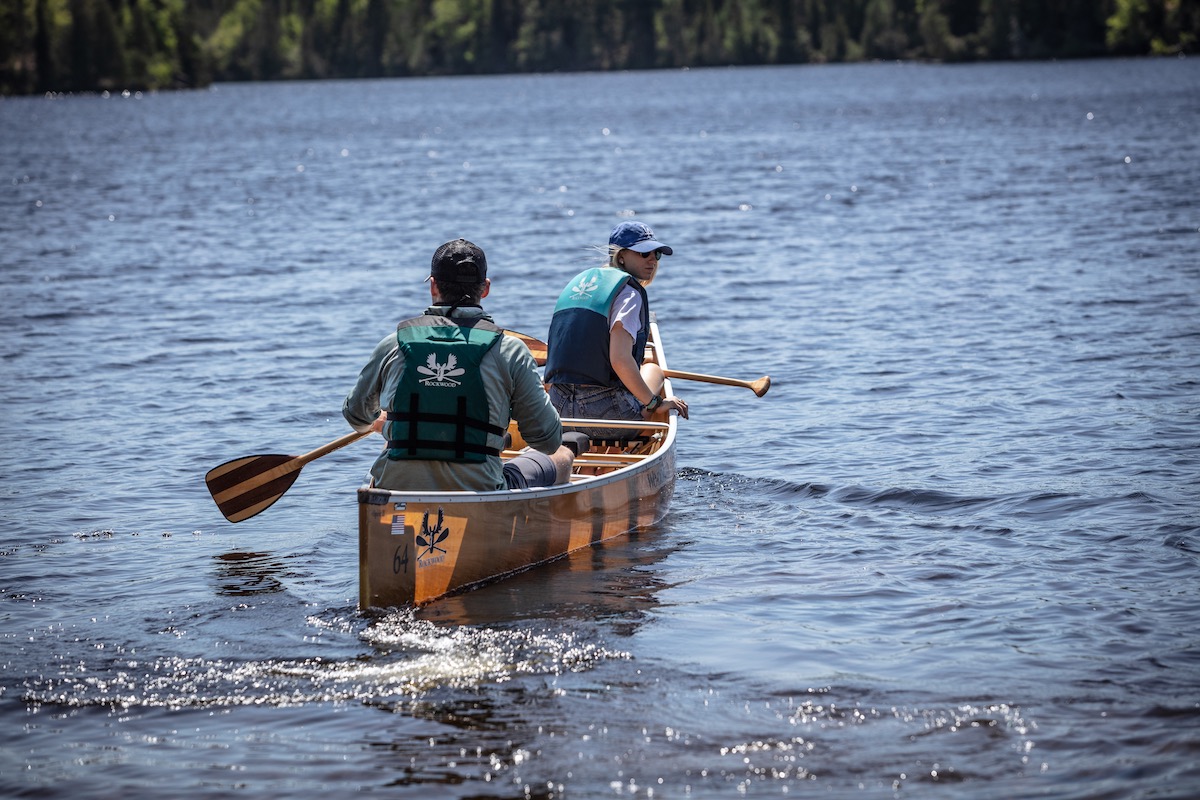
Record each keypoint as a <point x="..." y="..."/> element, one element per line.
<point x="440" y="409"/>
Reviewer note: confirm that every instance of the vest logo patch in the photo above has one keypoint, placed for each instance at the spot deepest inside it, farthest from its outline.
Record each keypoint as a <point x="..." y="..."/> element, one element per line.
<point x="440" y="374"/>
<point x="583" y="290"/>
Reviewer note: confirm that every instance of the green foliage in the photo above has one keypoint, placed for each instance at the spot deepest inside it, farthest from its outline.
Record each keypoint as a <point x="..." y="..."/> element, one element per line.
<point x="291" y="33"/>
<point x="938" y="41"/>
<point x="882" y="37"/>
<point x="93" y="45"/>
<point x="89" y="45"/>
<point x="231" y="32"/>
<point x="1127" y="28"/>
<point x="453" y="28"/>
<point x="1161" y="27"/>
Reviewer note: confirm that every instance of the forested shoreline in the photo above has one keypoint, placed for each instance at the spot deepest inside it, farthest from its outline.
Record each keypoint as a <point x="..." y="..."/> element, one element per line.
<point x="54" y="46"/>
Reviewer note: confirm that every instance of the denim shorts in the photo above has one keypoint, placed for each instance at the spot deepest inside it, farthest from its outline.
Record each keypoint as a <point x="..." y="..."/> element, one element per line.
<point x="583" y="401"/>
<point x="530" y="468"/>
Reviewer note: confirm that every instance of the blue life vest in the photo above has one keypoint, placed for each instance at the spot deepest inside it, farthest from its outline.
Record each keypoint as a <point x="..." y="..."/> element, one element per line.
<point x="440" y="409"/>
<point x="577" y="346"/>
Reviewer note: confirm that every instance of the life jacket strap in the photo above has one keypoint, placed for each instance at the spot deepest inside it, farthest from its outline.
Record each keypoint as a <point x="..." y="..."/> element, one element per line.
<point x="460" y="420"/>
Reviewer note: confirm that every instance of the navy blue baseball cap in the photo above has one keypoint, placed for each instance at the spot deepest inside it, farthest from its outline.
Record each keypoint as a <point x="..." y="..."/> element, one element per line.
<point x="636" y="236"/>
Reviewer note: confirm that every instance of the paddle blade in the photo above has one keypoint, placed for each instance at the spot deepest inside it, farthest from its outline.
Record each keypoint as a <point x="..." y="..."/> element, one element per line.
<point x="247" y="486"/>
<point x="760" y="386"/>
<point x="535" y="345"/>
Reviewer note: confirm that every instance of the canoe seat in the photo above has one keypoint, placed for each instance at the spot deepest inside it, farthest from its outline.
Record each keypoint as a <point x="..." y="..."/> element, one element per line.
<point x="632" y="443"/>
<point x="578" y="442"/>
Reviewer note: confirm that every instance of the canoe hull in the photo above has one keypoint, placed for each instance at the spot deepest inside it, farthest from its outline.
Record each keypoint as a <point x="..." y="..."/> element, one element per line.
<point x="415" y="549"/>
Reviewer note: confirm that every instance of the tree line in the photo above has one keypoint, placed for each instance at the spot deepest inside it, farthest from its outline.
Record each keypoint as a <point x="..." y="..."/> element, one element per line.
<point x="114" y="45"/>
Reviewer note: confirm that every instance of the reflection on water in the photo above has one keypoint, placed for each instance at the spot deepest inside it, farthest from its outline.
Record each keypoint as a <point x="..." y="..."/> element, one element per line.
<point x="244" y="574"/>
<point x="615" y="579"/>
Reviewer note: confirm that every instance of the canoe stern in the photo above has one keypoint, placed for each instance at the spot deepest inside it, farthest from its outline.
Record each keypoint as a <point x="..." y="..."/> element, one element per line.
<point x="415" y="548"/>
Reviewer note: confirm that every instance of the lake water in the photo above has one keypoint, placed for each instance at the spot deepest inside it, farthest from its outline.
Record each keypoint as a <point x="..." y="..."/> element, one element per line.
<point x="954" y="552"/>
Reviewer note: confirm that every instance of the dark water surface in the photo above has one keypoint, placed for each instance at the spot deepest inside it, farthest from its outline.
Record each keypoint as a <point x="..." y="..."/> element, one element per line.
<point x="952" y="553"/>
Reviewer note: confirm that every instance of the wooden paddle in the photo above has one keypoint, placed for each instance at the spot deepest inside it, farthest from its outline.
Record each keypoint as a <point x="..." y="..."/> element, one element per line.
<point x="247" y="486"/>
<point x="758" y="386"/>
<point x="536" y="346"/>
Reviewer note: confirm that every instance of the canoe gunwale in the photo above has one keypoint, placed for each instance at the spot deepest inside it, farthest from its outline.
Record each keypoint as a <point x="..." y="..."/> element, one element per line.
<point x="368" y="494"/>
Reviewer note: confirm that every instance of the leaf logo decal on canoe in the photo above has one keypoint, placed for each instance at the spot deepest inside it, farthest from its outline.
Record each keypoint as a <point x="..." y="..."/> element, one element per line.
<point x="429" y="538"/>
<point x="441" y="374"/>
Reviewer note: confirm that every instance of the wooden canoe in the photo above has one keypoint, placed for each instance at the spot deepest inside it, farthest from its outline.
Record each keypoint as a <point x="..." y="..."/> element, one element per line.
<point x="414" y="547"/>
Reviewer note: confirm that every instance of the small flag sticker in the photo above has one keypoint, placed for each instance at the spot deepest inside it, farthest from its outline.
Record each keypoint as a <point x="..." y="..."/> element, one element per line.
<point x="398" y="521"/>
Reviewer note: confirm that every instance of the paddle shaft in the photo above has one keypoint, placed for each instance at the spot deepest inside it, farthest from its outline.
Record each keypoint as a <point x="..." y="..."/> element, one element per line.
<point x="325" y="450"/>
<point x="759" y="386"/>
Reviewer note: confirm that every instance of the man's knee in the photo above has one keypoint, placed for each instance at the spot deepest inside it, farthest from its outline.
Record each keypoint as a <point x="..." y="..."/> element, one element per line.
<point x="530" y="468"/>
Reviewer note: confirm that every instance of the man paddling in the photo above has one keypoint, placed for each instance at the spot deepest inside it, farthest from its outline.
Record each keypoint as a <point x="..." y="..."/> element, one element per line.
<point x="440" y="389"/>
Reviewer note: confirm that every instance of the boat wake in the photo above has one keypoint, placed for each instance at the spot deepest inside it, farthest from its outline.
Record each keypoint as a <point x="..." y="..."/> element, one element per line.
<point x="410" y="658"/>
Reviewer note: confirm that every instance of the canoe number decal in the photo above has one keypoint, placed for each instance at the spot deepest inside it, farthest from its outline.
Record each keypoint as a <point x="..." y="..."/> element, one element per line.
<point x="430" y="537"/>
<point x="400" y="560"/>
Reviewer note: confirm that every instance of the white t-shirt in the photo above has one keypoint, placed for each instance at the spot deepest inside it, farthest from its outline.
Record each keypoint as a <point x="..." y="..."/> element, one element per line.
<point x="626" y="310"/>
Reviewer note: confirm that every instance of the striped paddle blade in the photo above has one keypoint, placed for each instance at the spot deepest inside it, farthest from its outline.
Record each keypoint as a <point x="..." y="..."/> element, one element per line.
<point x="246" y="486"/>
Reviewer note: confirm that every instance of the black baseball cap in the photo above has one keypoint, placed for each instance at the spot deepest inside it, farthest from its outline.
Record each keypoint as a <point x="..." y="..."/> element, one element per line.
<point x="459" y="261"/>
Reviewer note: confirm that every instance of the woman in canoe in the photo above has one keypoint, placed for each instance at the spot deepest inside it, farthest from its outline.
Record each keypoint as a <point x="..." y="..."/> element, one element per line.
<point x="598" y="337"/>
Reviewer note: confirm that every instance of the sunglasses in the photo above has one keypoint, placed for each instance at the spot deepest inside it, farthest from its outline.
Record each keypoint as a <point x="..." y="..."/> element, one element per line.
<point x="655" y="254"/>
